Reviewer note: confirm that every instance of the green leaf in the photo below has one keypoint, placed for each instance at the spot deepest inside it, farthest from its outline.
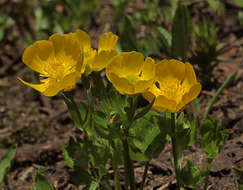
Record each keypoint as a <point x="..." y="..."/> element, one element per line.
<point x="127" y="34"/>
<point x="136" y="155"/>
<point x="113" y="103"/>
<point x="76" y="154"/>
<point x="218" y="6"/>
<point x="212" y="137"/>
<point x="240" y="17"/>
<point x="238" y="2"/>
<point x="94" y="185"/>
<point x="185" y="130"/>
<point x="166" y="39"/>
<point x="5" y="163"/>
<point x="218" y="92"/>
<point x="197" y="105"/>
<point x="73" y="110"/>
<point x="192" y="176"/>
<point x="41" y="182"/>
<point x="1" y="33"/>
<point x="148" y="136"/>
<point x="99" y="152"/>
<point x="67" y="158"/>
<point x="88" y="122"/>
<point x="101" y="125"/>
<point x="181" y="32"/>
<point x="144" y="110"/>
<point x="156" y="146"/>
<point x="80" y="176"/>
<point x="144" y="131"/>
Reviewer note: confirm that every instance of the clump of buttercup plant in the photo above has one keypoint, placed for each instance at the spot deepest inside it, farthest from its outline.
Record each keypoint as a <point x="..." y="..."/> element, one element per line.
<point x="207" y="50"/>
<point x="116" y="130"/>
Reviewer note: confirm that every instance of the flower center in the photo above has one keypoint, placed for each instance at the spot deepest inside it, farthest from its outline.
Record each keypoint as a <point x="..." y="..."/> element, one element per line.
<point x="57" y="69"/>
<point x="132" y="78"/>
<point x="172" y="89"/>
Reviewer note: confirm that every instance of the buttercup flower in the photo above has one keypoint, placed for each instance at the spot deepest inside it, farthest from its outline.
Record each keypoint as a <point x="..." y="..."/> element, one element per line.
<point x="93" y="59"/>
<point x="59" y="62"/>
<point x="130" y="74"/>
<point x="176" y="85"/>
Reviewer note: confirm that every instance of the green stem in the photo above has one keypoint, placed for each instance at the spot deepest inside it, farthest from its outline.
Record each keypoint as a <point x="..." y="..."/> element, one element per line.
<point x="175" y="152"/>
<point x="214" y="98"/>
<point x="116" y="175"/>
<point x="145" y="173"/>
<point x="129" y="170"/>
<point x="128" y="164"/>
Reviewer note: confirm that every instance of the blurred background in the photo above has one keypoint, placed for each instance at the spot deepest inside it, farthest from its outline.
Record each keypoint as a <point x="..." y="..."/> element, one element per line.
<point x="39" y="125"/>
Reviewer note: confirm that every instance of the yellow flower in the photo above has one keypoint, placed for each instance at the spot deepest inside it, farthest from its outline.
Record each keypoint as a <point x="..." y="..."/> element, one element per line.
<point x="130" y="74"/>
<point x="59" y="62"/>
<point x="93" y="59"/>
<point x="176" y="85"/>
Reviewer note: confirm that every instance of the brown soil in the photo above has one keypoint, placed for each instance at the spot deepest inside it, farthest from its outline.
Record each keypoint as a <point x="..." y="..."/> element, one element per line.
<point x="39" y="125"/>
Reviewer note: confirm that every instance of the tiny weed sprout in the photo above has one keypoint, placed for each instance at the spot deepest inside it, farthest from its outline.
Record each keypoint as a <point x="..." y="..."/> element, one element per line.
<point x="117" y="131"/>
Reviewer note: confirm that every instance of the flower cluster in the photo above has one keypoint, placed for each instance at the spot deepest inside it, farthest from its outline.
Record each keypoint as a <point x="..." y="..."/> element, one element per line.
<point x="62" y="59"/>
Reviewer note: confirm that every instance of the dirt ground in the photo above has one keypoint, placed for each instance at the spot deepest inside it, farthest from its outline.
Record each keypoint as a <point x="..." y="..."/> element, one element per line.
<point x="40" y="125"/>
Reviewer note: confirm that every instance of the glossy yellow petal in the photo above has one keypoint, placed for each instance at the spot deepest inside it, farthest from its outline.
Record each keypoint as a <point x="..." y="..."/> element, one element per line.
<point x="148" y="69"/>
<point x="70" y="81"/>
<point x="107" y="42"/>
<point x="122" y="85"/>
<point x="80" y="65"/>
<point x="148" y="95"/>
<point x="159" y="108"/>
<point x="163" y="102"/>
<point x="57" y="40"/>
<point x="177" y="69"/>
<point x="143" y="85"/>
<point x="175" y="86"/>
<point x="193" y="93"/>
<point x="190" y="76"/>
<point x="180" y="106"/>
<point x="132" y="63"/>
<point x="88" y="61"/>
<point x="36" y="55"/>
<point x="139" y="74"/>
<point x="39" y="87"/>
<point x="65" y="45"/>
<point x="83" y="39"/>
<point x="116" y="66"/>
<point x="162" y="70"/>
<point x="101" y="60"/>
<point x="52" y="90"/>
